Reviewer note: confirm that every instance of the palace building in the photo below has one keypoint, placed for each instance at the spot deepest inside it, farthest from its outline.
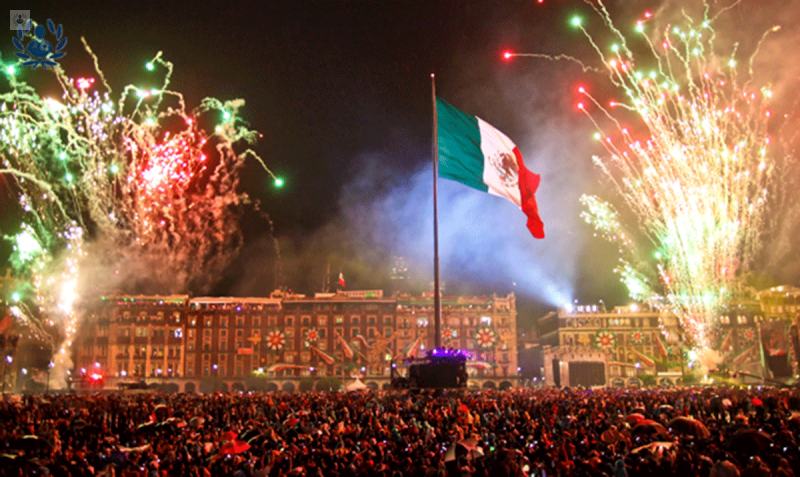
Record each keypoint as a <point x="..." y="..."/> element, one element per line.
<point x="288" y="338"/>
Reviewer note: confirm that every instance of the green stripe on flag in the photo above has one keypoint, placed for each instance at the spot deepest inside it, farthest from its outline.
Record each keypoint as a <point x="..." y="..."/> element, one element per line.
<point x="460" y="155"/>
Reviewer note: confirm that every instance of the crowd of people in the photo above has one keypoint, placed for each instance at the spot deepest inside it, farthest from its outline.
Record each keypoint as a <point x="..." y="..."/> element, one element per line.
<point x="538" y="432"/>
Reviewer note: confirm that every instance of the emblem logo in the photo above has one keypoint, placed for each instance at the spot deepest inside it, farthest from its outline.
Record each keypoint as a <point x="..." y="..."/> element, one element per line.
<point x="39" y="52"/>
<point x="505" y="165"/>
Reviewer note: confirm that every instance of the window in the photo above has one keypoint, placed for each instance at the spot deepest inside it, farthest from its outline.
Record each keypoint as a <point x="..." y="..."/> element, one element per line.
<point x="323" y="345"/>
<point x="207" y="320"/>
<point x="289" y="332"/>
<point x="387" y="332"/>
<point x="272" y="320"/>
<point x="290" y="358"/>
<point x="239" y="321"/>
<point x="322" y="334"/>
<point x="353" y="332"/>
<point x="289" y="321"/>
<point x="223" y="321"/>
<point x="371" y="332"/>
<point x="256" y="322"/>
<point x="486" y="320"/>
<point x="371" y="321"/>
<point x="193" y="321"/>
<point x="741" y="319"/>
<point x="205" y="371"/>
<point x="177" y="332"/>
<point x="725" y="320"/>
<point x="339" y="320"/>
<point x="305" y="321"/>
<point x="422" y="321"/>
<point x="354" y="320"/>
<point x="322" y="320"/>
<point x="387" y="320"/>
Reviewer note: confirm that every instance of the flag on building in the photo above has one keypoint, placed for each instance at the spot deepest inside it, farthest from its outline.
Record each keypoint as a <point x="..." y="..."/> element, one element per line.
<point x="660" y="345"/>
<point x="413" y="347"/>
<point x="360" y="338"/>
<point x="473" y="152"/>
<point x="341" y="279"/>
<point x="346" y="349"/>
<point x="646" y="360"/>
<point x="726" y="342"/>
<point x="743" y="355"/>
<point x="328" y="359"/>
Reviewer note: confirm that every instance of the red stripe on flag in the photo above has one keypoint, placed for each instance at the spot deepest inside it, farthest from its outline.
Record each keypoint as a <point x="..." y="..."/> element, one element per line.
<point x="528" y="184"/>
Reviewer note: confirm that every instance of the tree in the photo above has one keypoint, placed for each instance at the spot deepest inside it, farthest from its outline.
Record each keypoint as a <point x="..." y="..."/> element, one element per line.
<point x="648" y="380"/>
<point x="211" y="384"/>
<point x="256" y="381"/>
<point x="306" y="384"/>
<point x="329" y="384"/>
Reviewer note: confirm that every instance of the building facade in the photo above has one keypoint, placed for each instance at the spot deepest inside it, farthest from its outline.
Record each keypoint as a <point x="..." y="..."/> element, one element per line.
<point x="290" y="337"/>
<point x="588" y="345"/>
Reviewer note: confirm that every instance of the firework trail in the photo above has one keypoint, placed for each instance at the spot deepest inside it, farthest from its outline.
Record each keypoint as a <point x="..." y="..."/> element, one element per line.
<point x="119" y="193"/>
<point x="690" y="154"/>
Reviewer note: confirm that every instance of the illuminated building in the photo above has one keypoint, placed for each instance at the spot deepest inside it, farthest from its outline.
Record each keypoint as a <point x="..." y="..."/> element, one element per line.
<point x="181" y="342"/>
<point x="590" y="346"/>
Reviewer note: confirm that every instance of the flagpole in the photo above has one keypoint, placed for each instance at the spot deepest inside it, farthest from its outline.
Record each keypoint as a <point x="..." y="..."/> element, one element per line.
<point x="437" y="303"/>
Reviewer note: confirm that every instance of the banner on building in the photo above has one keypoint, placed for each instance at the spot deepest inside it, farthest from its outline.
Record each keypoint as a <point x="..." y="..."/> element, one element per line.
<point x="775" y="348"/>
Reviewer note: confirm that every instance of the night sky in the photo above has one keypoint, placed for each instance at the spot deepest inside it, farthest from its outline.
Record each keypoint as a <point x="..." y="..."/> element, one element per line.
<point x="341" y="92"/>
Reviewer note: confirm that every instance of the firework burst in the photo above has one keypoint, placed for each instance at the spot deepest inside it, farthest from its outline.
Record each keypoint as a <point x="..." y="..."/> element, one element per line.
<point x="119" y="193"/>
<point x="689" y="153"/>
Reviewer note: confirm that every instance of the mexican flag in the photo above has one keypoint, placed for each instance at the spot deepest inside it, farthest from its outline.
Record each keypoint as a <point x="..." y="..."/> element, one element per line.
<point x="473" y="152"/>
<point x="660" y="345"/>
<point x="346" y="349"/>
<point x="325" y="357"/>
<point x="646" y="360"/>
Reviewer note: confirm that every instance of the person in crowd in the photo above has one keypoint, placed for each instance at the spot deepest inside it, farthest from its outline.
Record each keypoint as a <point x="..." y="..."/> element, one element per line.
<point x="480" y="433"/>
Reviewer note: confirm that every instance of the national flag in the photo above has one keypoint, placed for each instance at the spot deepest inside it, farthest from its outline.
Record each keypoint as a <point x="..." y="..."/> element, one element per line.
<point x="341" y="279"/>
<point x="346" y="349"/>
<point x="328" y="359"/>
<point x="473" y="152"/>
<point x="363" y="341"/>
<point x="660" y="345"/>
<point x="618" y="363"/>
<point x="413" y="347"/>
<point x="727" y="341"/>
<point x="277" y="367"/>
<point x="743" y="355"/>
<point x="646" y="360"/>
<point x="480" y="364"/>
